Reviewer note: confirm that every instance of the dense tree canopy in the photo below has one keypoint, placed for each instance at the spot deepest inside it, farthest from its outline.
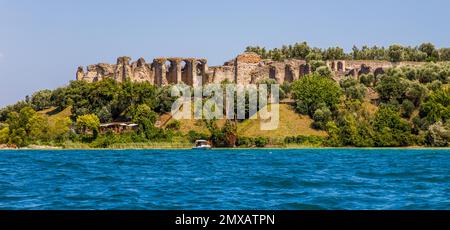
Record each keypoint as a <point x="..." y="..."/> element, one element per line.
<point x="395" y="53"/>
<point x="90" y="105"/>
<point x="315" y="92"/>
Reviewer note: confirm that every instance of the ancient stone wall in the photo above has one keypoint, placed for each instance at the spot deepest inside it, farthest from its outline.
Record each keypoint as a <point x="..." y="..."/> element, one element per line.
<point x="245" y="64"/>
<point x="244" y="69"/>
<point x="162" y="71"/>
<point x="142" y="72"/>
<point x="218" y="74"/>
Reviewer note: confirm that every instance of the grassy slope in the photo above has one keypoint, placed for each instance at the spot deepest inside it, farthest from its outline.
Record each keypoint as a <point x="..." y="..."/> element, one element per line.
<point x="291" y="124"/>
<point x="53" y="115"/>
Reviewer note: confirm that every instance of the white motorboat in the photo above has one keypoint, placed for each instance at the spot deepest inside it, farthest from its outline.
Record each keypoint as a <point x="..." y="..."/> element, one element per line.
<point x="202" y="144"/>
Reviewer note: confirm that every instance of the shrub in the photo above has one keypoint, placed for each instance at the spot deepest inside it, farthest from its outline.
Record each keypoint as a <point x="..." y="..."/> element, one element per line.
<point x="438" y="135"/>
<point x="261" y="142"/>
<point x="174" y="125"/>
<point x="193" y="136"/>
<point x="321" y="117"/>
<point x="245" y="142"/>
<point x="407" y="108"/>
<point x="324" y="71"/>
<point x="353" y="89"/>
<point x="367" y="79"/>
<point x="314" y="140"/>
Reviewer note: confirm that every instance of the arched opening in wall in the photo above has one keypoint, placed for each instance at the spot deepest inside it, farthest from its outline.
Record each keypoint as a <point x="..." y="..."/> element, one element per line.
<point x="304" y="69"/>
<point x="364" y="70"/>
<point x="351" y="73"/>
<point x="169" y="71"/>
<point x="273" y="73"/>
<point x="184" y="72"/>
<point x="333" y="66"/>
<point x="340" y="66"/>
<point x="288" y="74"/>
<point x="378" y="71"/>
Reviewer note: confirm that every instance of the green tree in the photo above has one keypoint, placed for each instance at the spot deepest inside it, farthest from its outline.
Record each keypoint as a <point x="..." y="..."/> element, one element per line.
<point x="314" y="56"/>
<point x="38" y="127"/>
<point x="301" y="50"/>
<point x="391" y="129"/>
<point x="391" y="87"/>
<point x="348" y="129"/>
<point x="353" y="89"/>
<point x="230" y="133"/>
<point x="321" y="118"/>
<point x="4" y="135"/>
<point x="324" y="71"/>
<point x="407" y="108"/>
<point x="334" y="53"/>
<point x="334" y="136"/>
<point x="437" y="106"/>
<point x="25" y="116"/>
<point x="89" y="122"/>
<point x="4" y="113"/>
<point x="438" y="135"/>
<point x="164" y="100"/>
<point x="146" y="119"/>
<point x="367" y="79"/>
<point x="396" y="53"/>
<point x="365" y="135"/>
<point x="314" y="90"/>
<point x="61" y="129"/>
<point x="41" y="99"/>
<point x="430" y="50"/>
<point x="415" y="92"/>
<point x="18" y="137"/>
<point x="444" y="54"/>
<point x="25" y="126"/>
<point x="433" y="71"/>
<point x="222" y="137"/>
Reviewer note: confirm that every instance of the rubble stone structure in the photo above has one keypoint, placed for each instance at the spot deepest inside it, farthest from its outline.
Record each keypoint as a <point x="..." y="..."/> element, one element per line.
<point x="247" y="68"/>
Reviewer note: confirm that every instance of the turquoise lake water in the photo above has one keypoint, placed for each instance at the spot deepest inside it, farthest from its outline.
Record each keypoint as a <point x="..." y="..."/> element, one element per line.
<point x="225" y="179"/>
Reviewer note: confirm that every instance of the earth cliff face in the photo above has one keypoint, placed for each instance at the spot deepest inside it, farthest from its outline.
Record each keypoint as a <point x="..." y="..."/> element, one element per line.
<point x="246" y="68"/>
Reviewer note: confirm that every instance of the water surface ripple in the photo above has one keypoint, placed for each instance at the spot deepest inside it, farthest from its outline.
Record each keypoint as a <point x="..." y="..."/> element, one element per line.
<point x="225" y="179"/>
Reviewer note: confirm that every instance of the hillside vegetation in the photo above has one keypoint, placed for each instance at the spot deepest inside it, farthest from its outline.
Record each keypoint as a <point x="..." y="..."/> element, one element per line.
<point x="291" y="124"/>
<point x="405" y="106"/>
<point x="395" y="53"/>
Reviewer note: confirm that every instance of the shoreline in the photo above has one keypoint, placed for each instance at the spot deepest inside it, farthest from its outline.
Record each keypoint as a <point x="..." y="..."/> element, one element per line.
<point x="52" y="148"/>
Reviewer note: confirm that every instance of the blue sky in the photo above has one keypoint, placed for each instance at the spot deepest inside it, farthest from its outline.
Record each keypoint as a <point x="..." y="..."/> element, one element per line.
<point x="42" y="42"/>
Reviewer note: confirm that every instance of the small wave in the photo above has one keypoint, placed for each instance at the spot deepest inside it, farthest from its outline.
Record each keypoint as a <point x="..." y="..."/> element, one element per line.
<point x="70" y="165"/>
<point x="103" y="178"/>
<point x="315" y="184"/>
<point x="435" y="179"/>
<point x="388" y="174"/>
<point x="283" y="183"/>
<point x="119" y="162"/>
<point x="298" y="206"/>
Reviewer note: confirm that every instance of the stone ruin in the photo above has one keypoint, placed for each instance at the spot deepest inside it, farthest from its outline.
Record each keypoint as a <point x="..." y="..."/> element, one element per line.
<point x="162" y="71"/>
<point x="247" y="68"/>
